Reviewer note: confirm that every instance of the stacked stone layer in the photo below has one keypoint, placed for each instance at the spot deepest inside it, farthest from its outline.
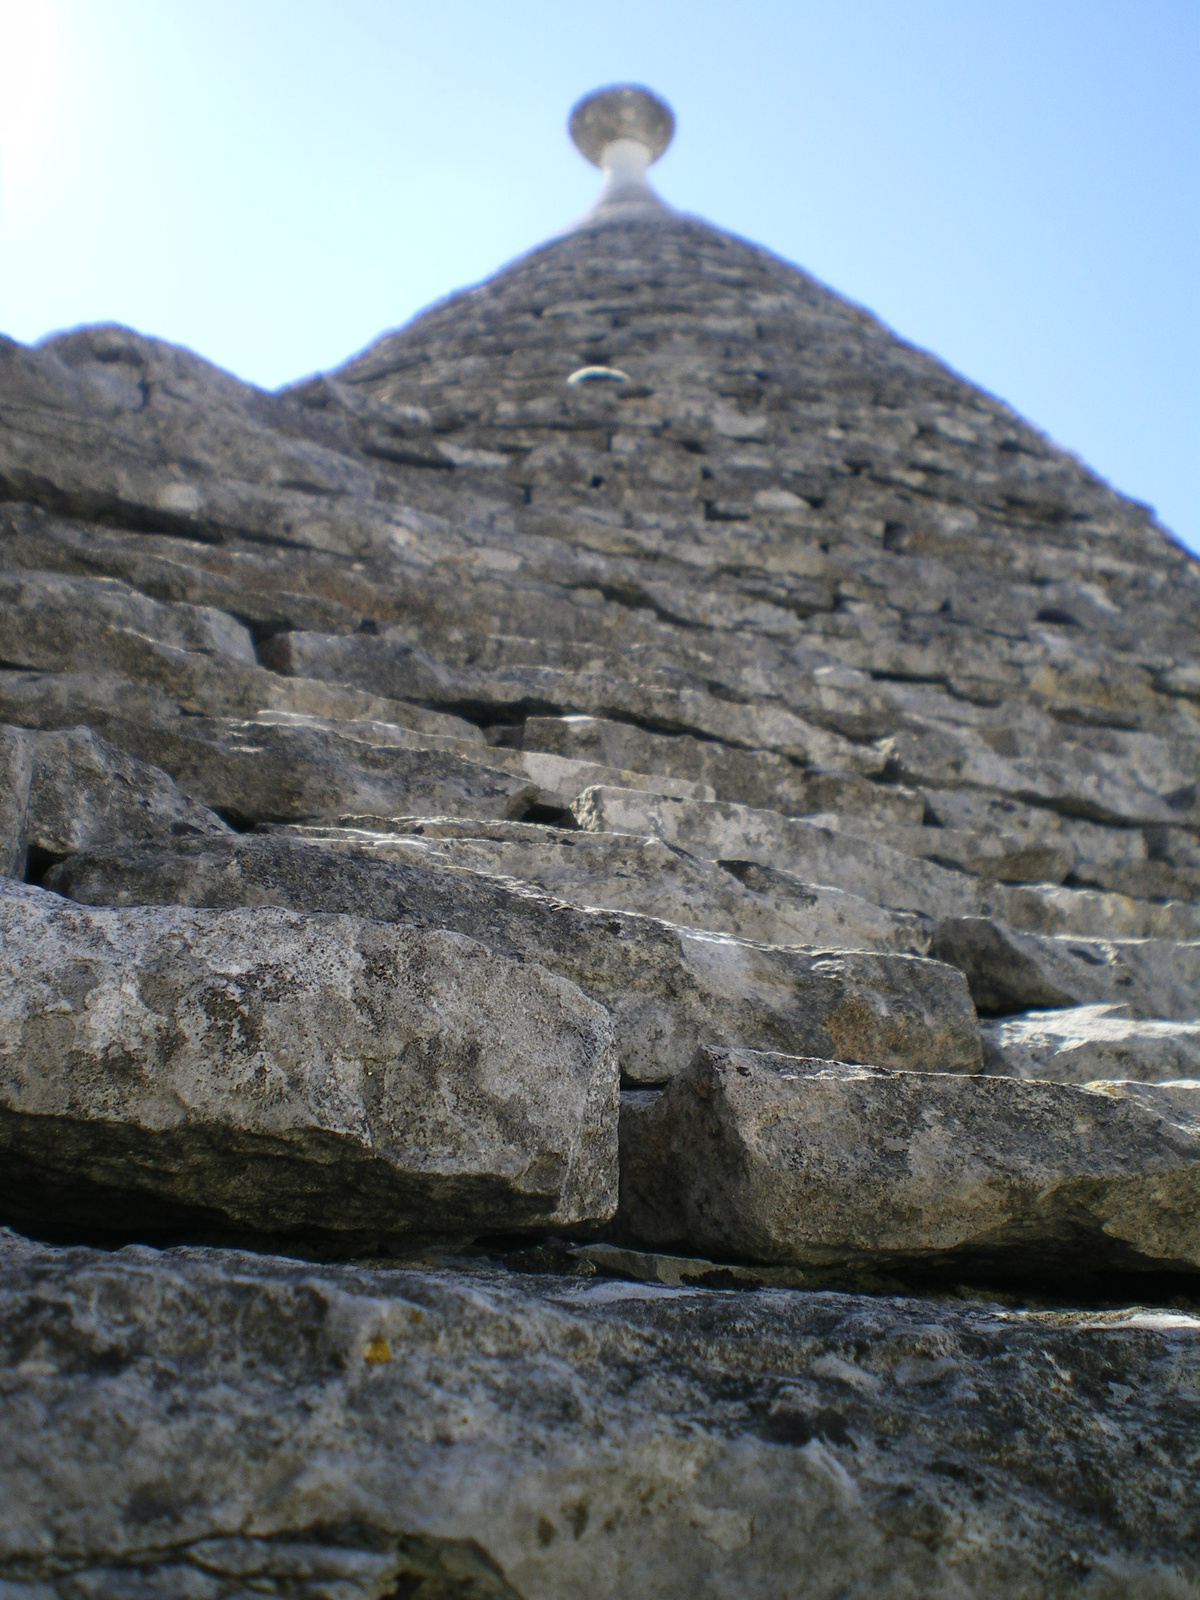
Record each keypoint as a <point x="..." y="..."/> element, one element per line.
<point x="439" y="802"/>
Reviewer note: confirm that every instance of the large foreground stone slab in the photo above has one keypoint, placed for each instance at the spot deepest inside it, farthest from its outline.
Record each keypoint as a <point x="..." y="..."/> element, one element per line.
<point x="265" y="1072"/>
<point x="1011" y="971"/>
<point x="209" y="1424"/>
<point x="1080" y="1043"/>
<point x="772" y="1158"/>
<point x="666" y="988"/>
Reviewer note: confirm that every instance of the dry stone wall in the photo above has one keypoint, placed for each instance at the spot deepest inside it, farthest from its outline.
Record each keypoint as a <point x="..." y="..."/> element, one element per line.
<point x="439" y="801"/>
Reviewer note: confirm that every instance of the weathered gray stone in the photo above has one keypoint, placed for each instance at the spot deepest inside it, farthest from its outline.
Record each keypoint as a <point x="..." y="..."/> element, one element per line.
<point x="46" y="700"/>
<point x="774" y="1158"/>
<point x="297" y="769"/>
<point x="58" y="699"/>
<point x="264" y="1072"/>
<point x="813" y="853"/>
<point x="552" y="781"/>
<point x="793" y="560"/>
<point x="71" y="790"/>
<point x="748" y="777"/>
<point x="16" y="774"/>
<point x="1011" y="971"/>
<point x="625" y="873"/>
<point x="103" y="424"/>
<point x="500" y="691"/>
<point x="993" y="855"/>
<point x="56" y="623"/>
<point x="267" y="587"/>
<point x="1081" y="1043"/>
<point x="678" y="1272"/>
<point x="1095" y="914"/>
<point x="666" y="988"/>
<point x="1112" y="774"/>
<point x="207" y="1423"/>
<point x="1153" y="861"/>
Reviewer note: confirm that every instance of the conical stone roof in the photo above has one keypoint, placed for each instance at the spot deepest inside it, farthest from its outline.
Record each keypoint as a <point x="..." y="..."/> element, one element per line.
<point x="638" y="788"/>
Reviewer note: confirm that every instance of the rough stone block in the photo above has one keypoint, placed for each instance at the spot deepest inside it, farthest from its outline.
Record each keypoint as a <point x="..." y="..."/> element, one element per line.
<point x="196" y="1424"/>
<point x="625" y="873"/>
<point x="72" y="790"/>
<point x="263" y="1072"/>
<point x="778" y="1159"/>
<point x="1081" y="1043"/>
<point x="667" y="988"/>
<point x="816" y="854"/>
<point x="1011" y="971"/>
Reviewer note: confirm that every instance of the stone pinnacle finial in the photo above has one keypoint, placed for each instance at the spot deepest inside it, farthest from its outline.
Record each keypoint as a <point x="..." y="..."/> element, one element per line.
<point x="624" y="111"/>
<point x="623" y="130"/>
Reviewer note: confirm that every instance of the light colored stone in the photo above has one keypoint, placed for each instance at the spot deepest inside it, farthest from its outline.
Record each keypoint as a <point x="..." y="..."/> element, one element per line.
<point x="201" y="1424"/>
<point x="1095" y="914"/>
<point x="1011" y="971"/>
<point x="807" y="850"/>
<point x="71" y="790"/>
<point x="290" y="769"/>
<point x="993" y="855"/>
<point x="263" y="1072"/>
<point x="625" y="873"/>
<point x="748" y="777"/>
<point x="58" y="623"/>
<point x="666" y="988"/>
<point x="1080" y="1043"/>
<point x="1113" y="774"/>
<point x="553" y="781"/>
<point x="778" y="1159"/>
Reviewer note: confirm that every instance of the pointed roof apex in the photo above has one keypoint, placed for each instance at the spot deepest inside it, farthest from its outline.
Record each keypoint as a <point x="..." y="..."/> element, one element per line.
<point x="623" y="130"/>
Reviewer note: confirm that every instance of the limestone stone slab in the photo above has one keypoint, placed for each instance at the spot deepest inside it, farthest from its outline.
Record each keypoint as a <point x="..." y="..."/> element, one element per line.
<point x="1012" y="971"/>
<point x="625" y="873"/>
<point x="1080" y="1043"/>
<point x="807" y="850"/>
<point x="108" y="703"/>
<point x="666" y="988"/>
<point x="58" y="622"/>
<point x="202" y="1422"/>
<point x="69" y="790"/>
<point x="757" y="778"/>
<point x="391" y="664"/>
<point x="777" y="1159"/>
<point x="299" y="768"/>
<point x="16" y="773"/>
<point x="1114" y="774"/>
<point x="993" y="855"/>
<point x="1154" y="861"/>
<point x="555" y="781"/>
<point x="104" y="424"/>
<point x="1096" y="914"/>
<point x="264" y="1072"/>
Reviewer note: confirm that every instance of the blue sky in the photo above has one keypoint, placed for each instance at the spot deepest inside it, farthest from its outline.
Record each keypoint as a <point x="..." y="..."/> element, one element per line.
<point x="1014" y="185"/>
